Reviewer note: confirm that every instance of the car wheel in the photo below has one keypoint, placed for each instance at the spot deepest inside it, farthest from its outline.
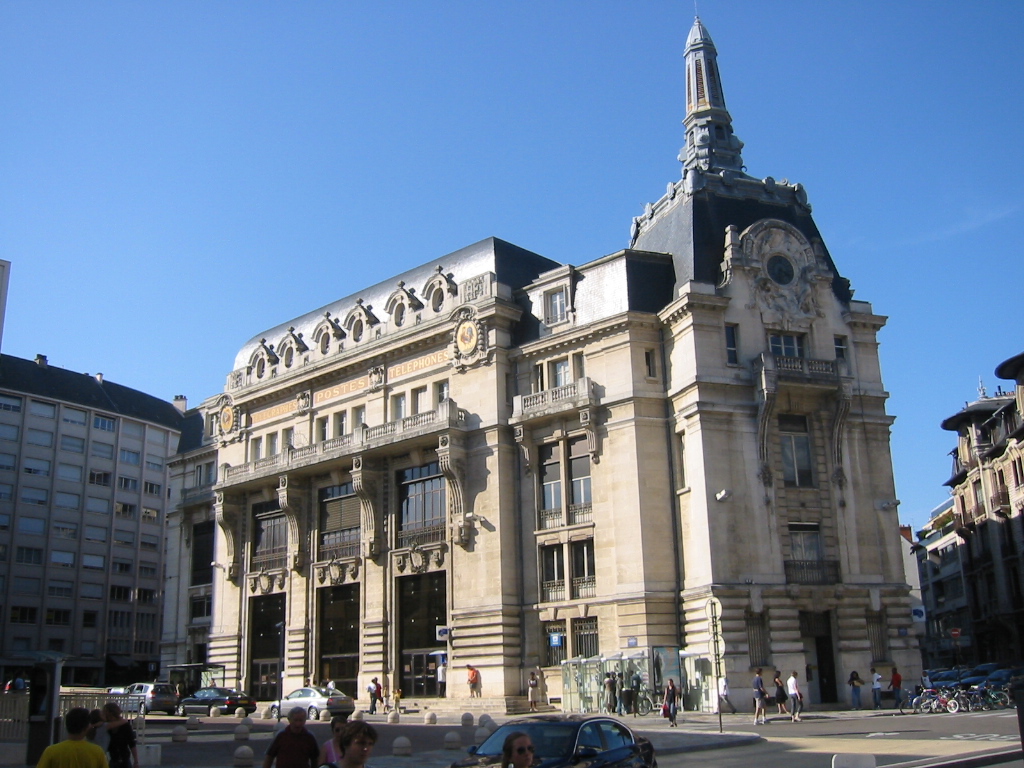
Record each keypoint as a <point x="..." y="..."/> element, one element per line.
<point x="143" y="710"/>
<point x="180" y="710"/>
<point x="275" y="712"/>
<point x="314" y="713"/>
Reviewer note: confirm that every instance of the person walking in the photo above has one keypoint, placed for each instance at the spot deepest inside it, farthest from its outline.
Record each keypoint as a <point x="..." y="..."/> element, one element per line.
<point x="442" y="678"/>
<point x="796" y="698"/>
<point x="855" y="684"/>
<point x="671" y="703"/>
<point x="330" y="750"/>
<point x="723" y="694"/>
<point x="373" y="690"/>
<point x="75" y="751"/>
<point x="122" y="745"/>
<point x="294" y="746"/>
<point x="896" y="684"/>
<point x="876" y="688"/>
<point x="473" y="680"/>
<point x="760" y="698"/>
<point x="636" y="683"/>
<point x="780" y="693"/>
<point x="532" y="690"/>
<point x="620" y="694"/>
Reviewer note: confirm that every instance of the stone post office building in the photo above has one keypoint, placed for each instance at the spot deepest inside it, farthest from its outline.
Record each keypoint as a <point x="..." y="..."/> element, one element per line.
<point x="551" y="461"/>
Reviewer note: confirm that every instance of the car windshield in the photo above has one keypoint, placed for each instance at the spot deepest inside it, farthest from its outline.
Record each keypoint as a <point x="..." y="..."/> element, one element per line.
<point x="549" y="739"/>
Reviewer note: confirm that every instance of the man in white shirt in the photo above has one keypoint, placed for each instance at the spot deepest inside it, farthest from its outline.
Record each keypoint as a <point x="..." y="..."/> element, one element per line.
<point x="796" y="699"/>
<point x="723" y="694"/>
<point x="876" y="688"/>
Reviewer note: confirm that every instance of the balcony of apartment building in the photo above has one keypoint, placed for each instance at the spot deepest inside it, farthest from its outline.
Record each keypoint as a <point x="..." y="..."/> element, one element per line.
<point x="559" y="517"/>
<point x="361" y="440"/>
<point x="556" y="400"/>
<point x="812" y="572"/>
<point x="200" y="494"/>
<point x="999" y="502"/>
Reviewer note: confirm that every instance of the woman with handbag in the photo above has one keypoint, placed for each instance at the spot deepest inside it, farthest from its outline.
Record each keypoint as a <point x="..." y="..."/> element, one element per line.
<point x="855" y="684"/>
<point x="670" y="703"/>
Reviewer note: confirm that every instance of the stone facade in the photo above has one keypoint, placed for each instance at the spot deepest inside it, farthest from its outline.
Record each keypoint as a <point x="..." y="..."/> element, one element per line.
<point x="515" y="461"/>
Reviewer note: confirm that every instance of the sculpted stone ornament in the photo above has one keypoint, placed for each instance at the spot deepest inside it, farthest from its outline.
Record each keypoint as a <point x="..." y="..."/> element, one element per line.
<point x="420" y="558"/>
<point x="469" y="341"/>
<point x="266" y="581"/>
<point x="338" y="571"/>
<point x="376" y="378"/>
<point x="303" y="402"/>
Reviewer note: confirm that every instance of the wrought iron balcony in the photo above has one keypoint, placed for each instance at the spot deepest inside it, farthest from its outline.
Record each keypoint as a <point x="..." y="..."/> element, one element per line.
<point x="550" y="518"/>
<point x="339" y="550"/>
<point x="584" y="586"/>
<point x="575" y="394"/>
<point x="812" y="571"/>
<point x="555" y="518"/>
<point x="581" y="513"/>
<point x="269" y="559"/>
<point x="446" y="416"/>
<point x="1000" y="501"/>
<point x="425" y="535"/>
<point x="552" y="591"/>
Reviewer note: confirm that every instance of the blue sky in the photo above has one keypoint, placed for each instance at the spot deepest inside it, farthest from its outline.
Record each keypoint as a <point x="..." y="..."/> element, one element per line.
<point x="176" y="177"/>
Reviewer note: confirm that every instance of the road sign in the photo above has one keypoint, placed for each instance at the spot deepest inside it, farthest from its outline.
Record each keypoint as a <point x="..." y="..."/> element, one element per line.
<point x="955" y="633"/>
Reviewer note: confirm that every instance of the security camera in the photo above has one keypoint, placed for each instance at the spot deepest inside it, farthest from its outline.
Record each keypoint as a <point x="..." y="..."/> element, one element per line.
<point x="723" y="494"/>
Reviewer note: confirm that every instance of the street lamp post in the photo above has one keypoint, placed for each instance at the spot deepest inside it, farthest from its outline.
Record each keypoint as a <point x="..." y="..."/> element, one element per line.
<point x="280" y="676"/>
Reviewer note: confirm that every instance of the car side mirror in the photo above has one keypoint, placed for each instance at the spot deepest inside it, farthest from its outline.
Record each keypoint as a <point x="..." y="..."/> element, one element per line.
<point x="471" y="749"/>
<point x="584" y="753"/>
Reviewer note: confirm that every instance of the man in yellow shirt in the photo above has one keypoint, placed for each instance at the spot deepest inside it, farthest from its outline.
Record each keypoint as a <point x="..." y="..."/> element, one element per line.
<point x="74" y="751"/>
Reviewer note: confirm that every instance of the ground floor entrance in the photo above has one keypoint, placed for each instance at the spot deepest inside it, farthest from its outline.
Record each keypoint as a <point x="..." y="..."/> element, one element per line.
<point x="422" y="612"/>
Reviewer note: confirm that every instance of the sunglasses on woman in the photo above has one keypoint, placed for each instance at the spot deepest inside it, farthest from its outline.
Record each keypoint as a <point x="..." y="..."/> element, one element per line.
<point x="524" y="750"/>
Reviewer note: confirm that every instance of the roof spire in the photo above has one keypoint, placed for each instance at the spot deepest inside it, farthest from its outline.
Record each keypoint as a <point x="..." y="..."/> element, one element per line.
<point x="710" y="143"/>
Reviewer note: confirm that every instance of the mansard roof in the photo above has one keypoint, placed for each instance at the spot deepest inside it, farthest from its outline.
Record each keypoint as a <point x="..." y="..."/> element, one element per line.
<point x="46" y="381"/>
<point x="1012" y="369"/>
<point x="512" y="265"/>
<point x="976" y="412"/>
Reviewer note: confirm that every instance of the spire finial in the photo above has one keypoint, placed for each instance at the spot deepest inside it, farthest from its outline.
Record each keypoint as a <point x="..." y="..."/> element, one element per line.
<point x="710" y="142"/>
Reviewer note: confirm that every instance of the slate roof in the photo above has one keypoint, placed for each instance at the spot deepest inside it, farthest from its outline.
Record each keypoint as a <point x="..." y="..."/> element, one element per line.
<point x="693" y="231"/>
<point x="975" y="412"/>
<point x="514" y="266"/>
<point x="191" y="432"/>
<point x="1012" y="368"/>
<point x="28" y="377"/>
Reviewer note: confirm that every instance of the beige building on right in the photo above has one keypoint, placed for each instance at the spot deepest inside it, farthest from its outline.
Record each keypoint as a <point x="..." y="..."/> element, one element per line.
<point x="514" y="463"/>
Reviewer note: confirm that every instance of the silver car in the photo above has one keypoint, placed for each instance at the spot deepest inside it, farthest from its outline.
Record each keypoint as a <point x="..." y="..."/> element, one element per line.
<point x="156" y="697"/>
<point x="315" y="701"/>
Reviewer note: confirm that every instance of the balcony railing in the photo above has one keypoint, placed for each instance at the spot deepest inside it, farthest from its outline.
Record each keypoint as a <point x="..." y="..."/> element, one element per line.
<point x="580" y="513"/>
<point x="812" y="571"/>
<point x="268" y="560"/>
<point x="575" y="394"/>
<point x="1001" y="501"/>
<point x="552" y="591"/>
<point x="447" y="415"/>
<point x="801" y="369"/>
<point x="549" y="518"/>
<point x="337" y="551"/>
<point x="196" y="495"/>
<point x="426" y="535"/>
<point x="584" y="586"/>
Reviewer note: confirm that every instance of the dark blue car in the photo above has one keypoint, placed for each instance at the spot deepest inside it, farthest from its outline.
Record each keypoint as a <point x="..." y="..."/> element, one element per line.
<point x="581" y="741"/>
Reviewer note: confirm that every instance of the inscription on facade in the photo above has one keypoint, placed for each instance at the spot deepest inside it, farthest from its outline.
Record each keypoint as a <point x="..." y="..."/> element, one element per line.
<point x="419" y="364"/>
<point x="273" y="411"/>
<point x="357" y="384"/>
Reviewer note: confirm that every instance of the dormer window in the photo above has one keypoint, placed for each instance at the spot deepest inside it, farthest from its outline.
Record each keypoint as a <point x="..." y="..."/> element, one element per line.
<point x="437" y="299"/>
<point x="357" y="330"/>
<point x="555" y="306"/>
<point x="325" y="343"/>
<point x="399" y="315"/>
<point x="289" y="357"/>
<point x="261" y="367"/>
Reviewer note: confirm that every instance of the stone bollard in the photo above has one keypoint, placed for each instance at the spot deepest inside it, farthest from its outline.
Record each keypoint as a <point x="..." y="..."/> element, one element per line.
<point x="430" y="718"/>
<point x="480" y="734"/>
<point x="243" y="757"/>
<point x="247" y="722"/>
<point x="357" y="715"/>
<point x="241" y="733"/>
<point x="452" y="740"/>
<point x="393" y="716"/>
<point x="180" y="733"/>
<point x="325" y="716"/>
<point x="401" y="747"/>
<point x="485" y="719"/>
<point x="467" y="719"/>
<point x="240" y="712"/>
<point x="215" y="712"/>
<point x="192" y="723"/>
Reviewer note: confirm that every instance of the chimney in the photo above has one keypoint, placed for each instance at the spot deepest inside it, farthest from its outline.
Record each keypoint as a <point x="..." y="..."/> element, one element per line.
<point x="181" y="403"/>
<point x="41" y="361"/>
<point x="99" y="377"/>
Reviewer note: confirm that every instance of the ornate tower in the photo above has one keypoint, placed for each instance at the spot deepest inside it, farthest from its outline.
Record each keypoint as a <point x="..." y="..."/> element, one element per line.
<point x="710" y="143"/>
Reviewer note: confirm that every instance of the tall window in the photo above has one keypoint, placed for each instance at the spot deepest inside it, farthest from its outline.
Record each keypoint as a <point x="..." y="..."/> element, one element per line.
<point x="554" y="642"/>
<point x="579" y="475"/>
<point x="805" y="541"/>
<point x="732" y="350"/>
<point x="551" y="485"/>
<point x="270" y="537"/>
<point x="323" y="429"/>
<point x="757" y="639"/>
<point x="202" y="553"/>
<point x="560" y="374"/>
<point x="552" y="573"/>
<point x="339" y="522"/>
<point x="554" y="306"/>
<point x="398" y="407"/>
<point x="877" y="636"/>
<point x="842" y="350"/>
<point x="786" y="344"/>
<point x="796" y="451"/>
<point x="341" y="423"/>
<point x="584" y="636"/>
<point x="583" y="571"/>
<point x="421" y="498"/>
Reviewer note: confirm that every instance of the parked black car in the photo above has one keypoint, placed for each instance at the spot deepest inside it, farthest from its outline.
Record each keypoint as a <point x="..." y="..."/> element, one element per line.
<point x="580" y="741"/>
<point x="226" y="699"/>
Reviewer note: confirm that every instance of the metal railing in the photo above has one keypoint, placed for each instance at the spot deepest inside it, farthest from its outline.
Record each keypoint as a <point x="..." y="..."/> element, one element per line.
<point x="570" y="395"/>
<point x="581" y="513"/>
<point x="268" y="560"/>
<point x="584" y="586"/>
<point x="426" y="535"/>
<point x="812" y="571"/>
<point x="552" y="591"/>
<point x="549" y="518"/>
